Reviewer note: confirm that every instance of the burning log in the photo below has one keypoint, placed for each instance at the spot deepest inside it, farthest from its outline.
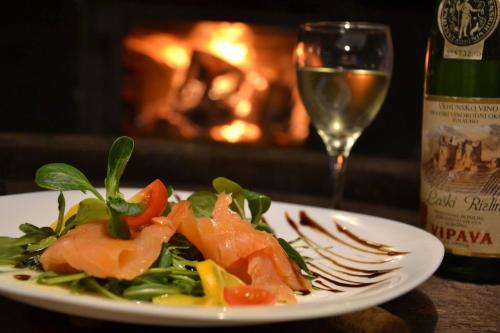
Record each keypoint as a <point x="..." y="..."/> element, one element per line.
<point x="205" y="96"/>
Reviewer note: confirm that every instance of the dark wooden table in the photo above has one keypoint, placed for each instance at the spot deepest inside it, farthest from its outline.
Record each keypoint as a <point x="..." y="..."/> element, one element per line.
<point x="438" y="305"/>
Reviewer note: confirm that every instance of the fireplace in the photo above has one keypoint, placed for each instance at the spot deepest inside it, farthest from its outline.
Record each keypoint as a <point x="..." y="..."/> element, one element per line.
<point x="212" y="80"/>
<point x="114" y="51"/>
<point x="65" y="62"/>
<point x="189" y="71"/>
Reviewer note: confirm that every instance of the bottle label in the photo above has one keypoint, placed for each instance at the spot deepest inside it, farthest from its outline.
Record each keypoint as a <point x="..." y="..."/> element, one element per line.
<point x="460" y="173"/>
<point x="465" y="25"/>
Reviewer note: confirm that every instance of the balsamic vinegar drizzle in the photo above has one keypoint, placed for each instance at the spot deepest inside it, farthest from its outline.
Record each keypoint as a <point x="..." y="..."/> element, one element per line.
<point x="316" y="247"/>
<point x="305" y="220"/>
<point x="369" y="276"/>
<point x="325" y="277"/>
<point x="327" y="287"/>
<point x="312" y="244"/>
<point x="378" y="246"/>
<point x="22" y="277"/>
<point x="328" y="276"/>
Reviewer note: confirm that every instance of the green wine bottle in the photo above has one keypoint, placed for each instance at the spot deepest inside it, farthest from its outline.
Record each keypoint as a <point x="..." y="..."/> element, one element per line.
<point x="460" y="161"/>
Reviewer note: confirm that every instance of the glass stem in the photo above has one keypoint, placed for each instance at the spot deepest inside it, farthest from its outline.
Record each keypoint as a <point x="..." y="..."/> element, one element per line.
<point x="338" y="161"/>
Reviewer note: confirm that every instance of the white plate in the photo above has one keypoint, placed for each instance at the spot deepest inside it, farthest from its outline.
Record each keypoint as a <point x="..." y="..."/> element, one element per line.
<point x="425" y="253"/>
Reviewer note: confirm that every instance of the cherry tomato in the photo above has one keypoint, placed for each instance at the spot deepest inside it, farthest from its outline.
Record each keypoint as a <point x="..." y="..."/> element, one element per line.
<point x="248" y="295"/>
<point x="154" y="198"/>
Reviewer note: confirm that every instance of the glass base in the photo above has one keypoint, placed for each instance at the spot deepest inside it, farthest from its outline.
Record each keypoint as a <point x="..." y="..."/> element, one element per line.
<point x="470" y="269"/>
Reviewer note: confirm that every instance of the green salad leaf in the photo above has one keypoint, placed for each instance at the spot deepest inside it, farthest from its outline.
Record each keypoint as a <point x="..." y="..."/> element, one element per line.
<point x="61" y="206"/>
<point x="121" y="206"/>
<point x="31" y="230"/>
<point x="202" y="203"/>
<point x="90" y="209"/>
<point x="222" y="184"/>
<point x="10" y="255"/>
<point x="294" y="255"/>
<point x="64" y="177"/>
<point x="264" y="227"/>
<point x="257" y="203"/>
<point x="118" y="157"/>
<point x="41" y="245"/>
<point x="24" y="250"/>
<point x="117" y="227"/>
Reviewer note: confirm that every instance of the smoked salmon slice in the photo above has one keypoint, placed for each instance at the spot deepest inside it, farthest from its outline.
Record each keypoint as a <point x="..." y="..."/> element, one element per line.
<point x="89" y="248"/>
<point x="234" y="244"/>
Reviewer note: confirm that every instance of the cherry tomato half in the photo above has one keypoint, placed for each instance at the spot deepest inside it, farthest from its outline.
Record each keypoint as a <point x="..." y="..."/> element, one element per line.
<point x="248" y="295"/>
<point x="154" y="198"/>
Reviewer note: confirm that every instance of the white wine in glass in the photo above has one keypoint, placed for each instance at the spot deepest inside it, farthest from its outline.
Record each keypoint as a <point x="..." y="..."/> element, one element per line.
<point x="343" y="74"/>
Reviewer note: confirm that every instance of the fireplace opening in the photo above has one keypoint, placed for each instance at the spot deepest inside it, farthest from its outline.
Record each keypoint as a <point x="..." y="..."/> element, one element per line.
<point x="212" y="80"/>
<point x="68" y="70"/>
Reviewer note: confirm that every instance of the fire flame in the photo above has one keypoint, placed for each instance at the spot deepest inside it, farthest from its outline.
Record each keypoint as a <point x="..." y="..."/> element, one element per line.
<point x="162" y="48"/>
<point x="228" y="41"/>
<point x="237" y="131"/>
<point x="223" y="85"/>
<point x="242" y="91"/>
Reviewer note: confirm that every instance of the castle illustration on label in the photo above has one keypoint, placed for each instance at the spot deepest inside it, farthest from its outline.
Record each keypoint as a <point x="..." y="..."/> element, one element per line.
<point x="458" y="165"/>
<point x="462" y="156"/>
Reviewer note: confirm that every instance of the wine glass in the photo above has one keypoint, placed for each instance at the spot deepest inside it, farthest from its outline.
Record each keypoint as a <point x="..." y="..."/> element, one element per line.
<point x="343" y="73"/>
